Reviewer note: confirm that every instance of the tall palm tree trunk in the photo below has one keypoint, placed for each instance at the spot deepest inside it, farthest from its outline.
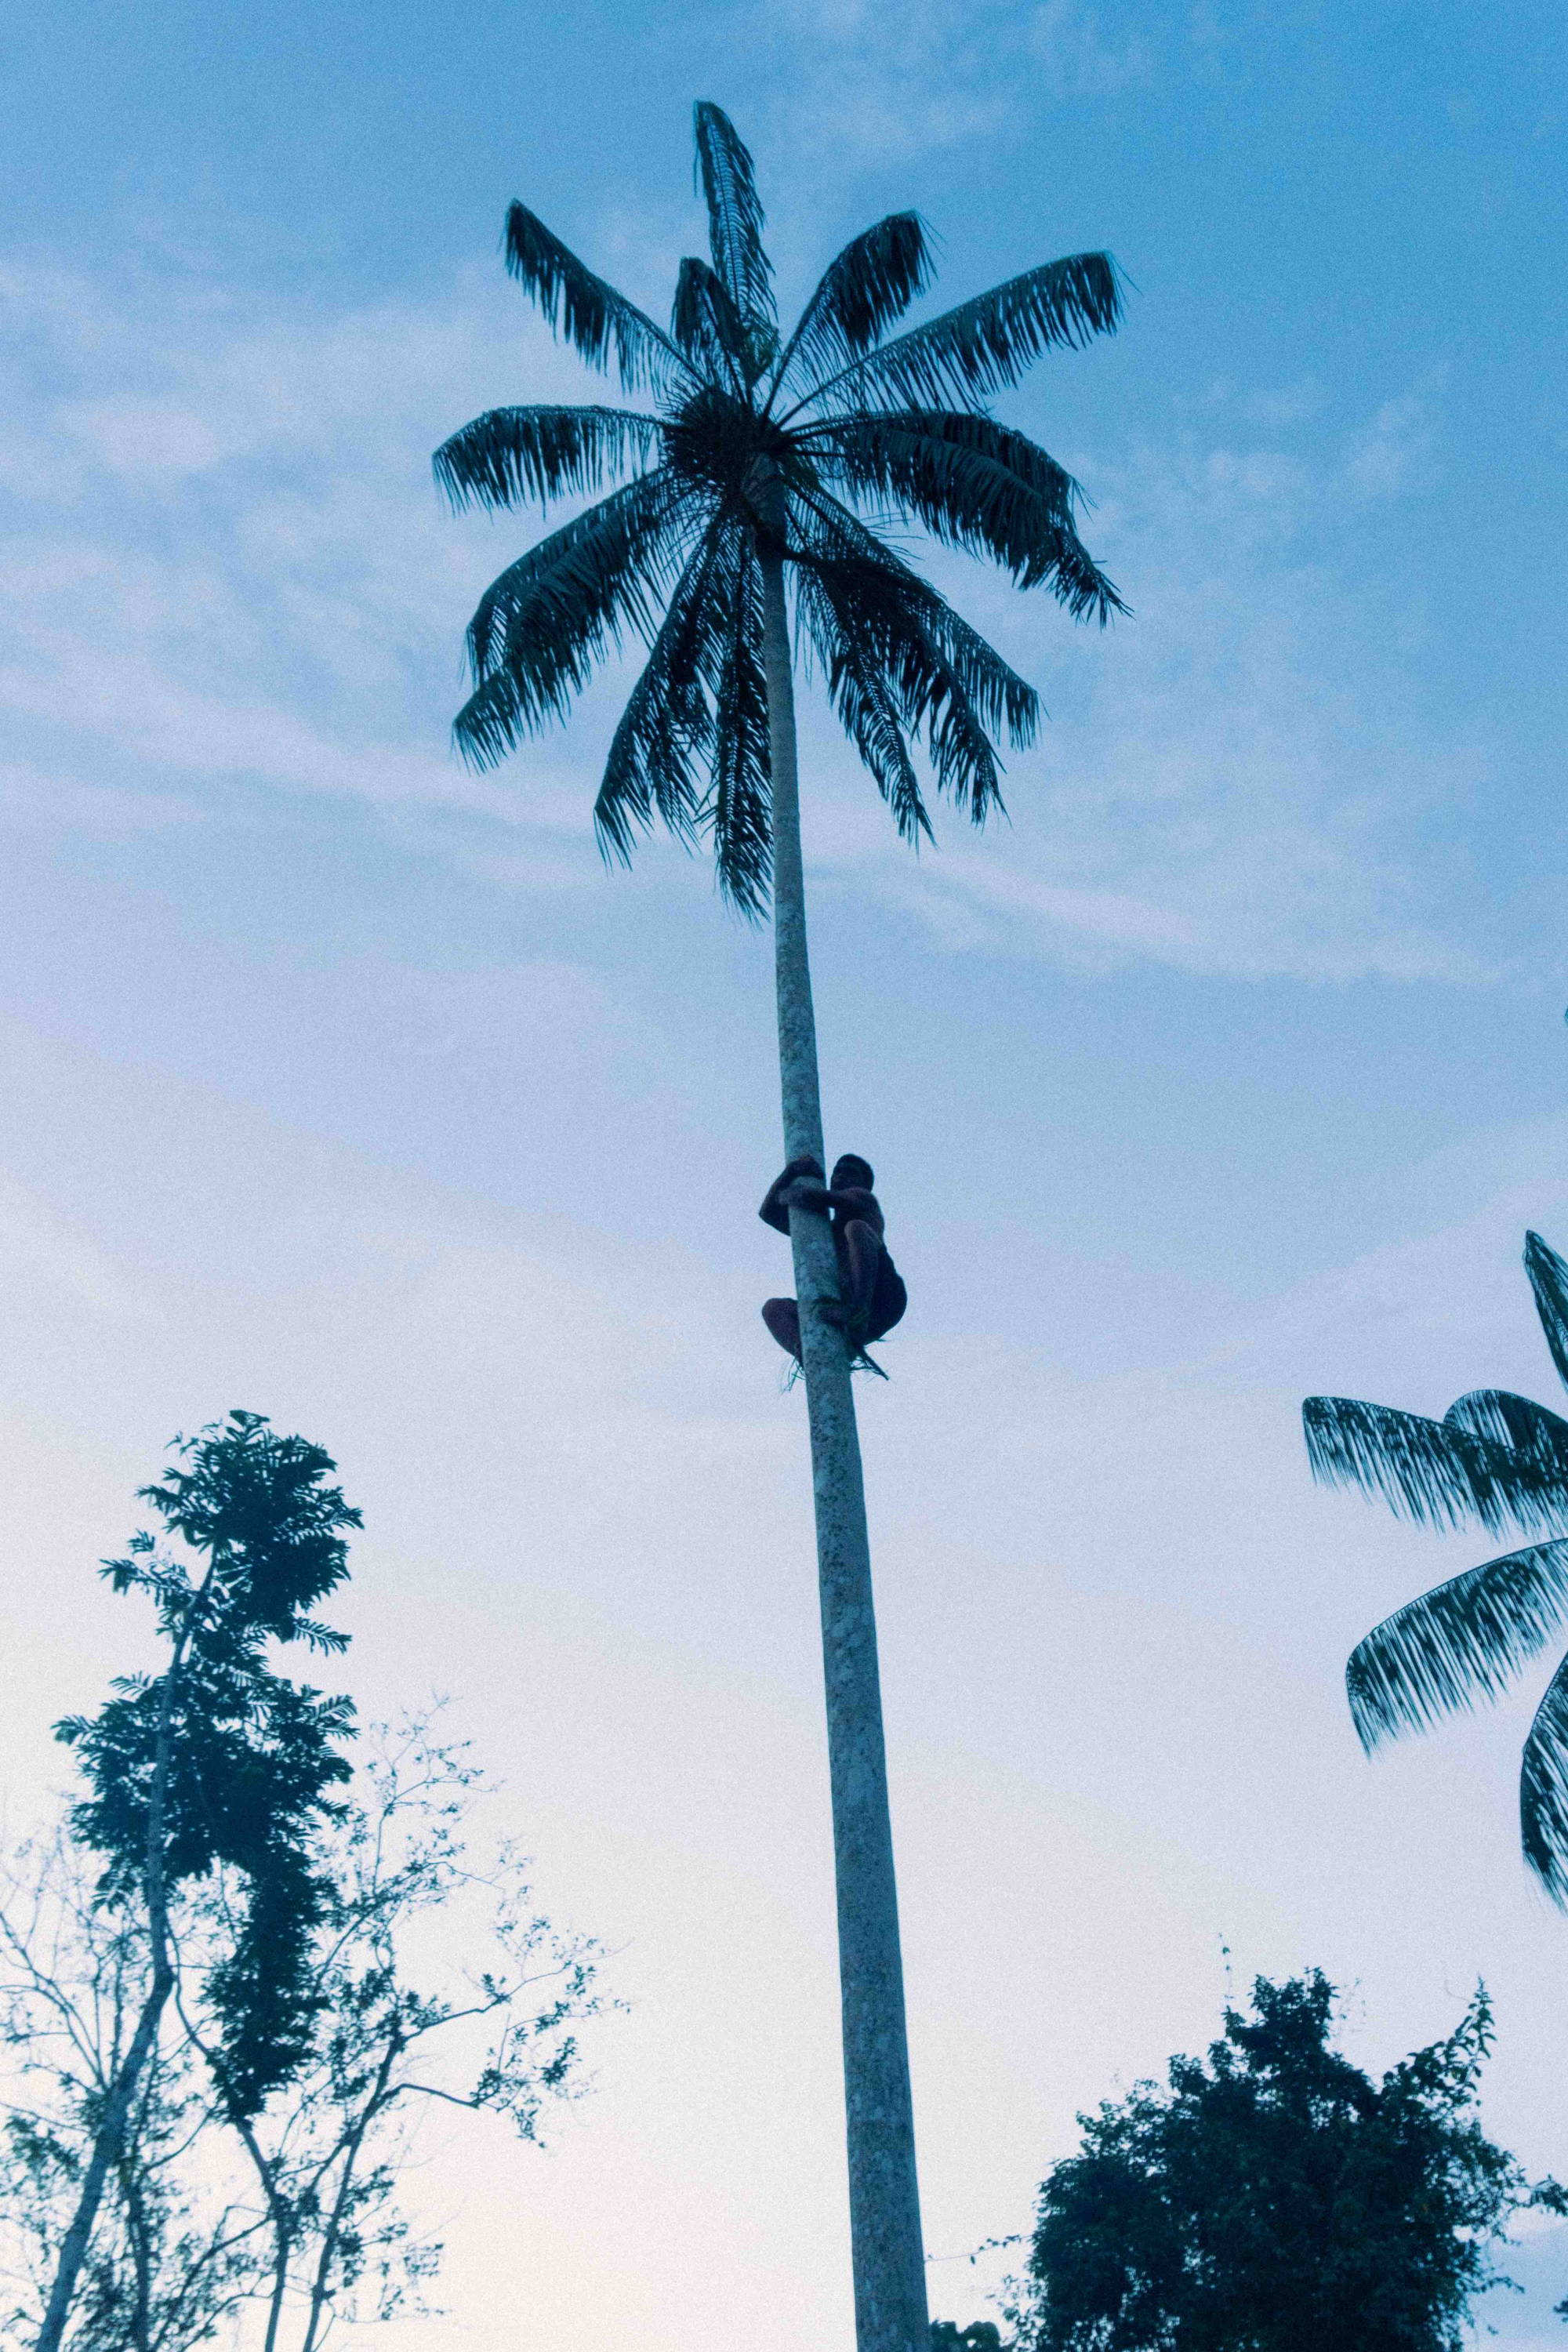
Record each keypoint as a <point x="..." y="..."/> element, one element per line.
<point x="884" y="2197"/>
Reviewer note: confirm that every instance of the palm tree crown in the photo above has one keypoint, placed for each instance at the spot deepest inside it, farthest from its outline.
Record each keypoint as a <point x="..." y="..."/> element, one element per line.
<point x="1501" y="1460"/>
<point x="798" y="445"/>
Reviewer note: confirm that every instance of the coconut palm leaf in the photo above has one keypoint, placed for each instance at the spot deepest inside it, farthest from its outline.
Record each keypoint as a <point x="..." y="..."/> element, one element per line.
<point x="861" y="696"/>
<point x="1438" y="1473"/>
<point x="870" y="611"/>
<point x="734" y="215"/>
<point x="667" y="726"/>
<point x="986" y="344"/>
<point x="976" y="485"/>
<point x="1527" y="1430"/>
<point x="741" y="813"/>
<point x="1463" y="1642"/>
<point x="869" y="570"/>
<point x="591" y="315"/>
<point x="708" y="327"/>
<point x="1543" y="1790"/>
<point x="1497" y="1457"/>
<point x="1548" y="1280"/>
<point x="512" y="453"/>
<point x="872" y="282"/>
<point x="542" y="629"/>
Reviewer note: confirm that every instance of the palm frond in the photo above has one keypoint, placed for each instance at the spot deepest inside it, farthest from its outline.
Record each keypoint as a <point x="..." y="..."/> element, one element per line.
<point x="1548" y="1280"/>
<point x="1529" y="1431"/>
<point x="541" y="627"/>
<point x="1004" y="702"/>
<point x="1425" y="1470"/>
<point x="740" y="808"/>
<point x="1002" y="699"/>
<point x="511" y="454"/>
<point x="734" y="213"/>
<point x="590" y="314"/>
<point x="1543" y="1790"/>
<point x="1464" y="1641"/>
<point x="859" y="694"/>
<point x="708" y="327"/>
<point x="959" y="733"/>
<point x="985" y="344"/>
<point x="929" y="660"/>
<point x="973" y="483"/>
<point x="872" y="282"/>
<point x="666" y="726"/>
<point x="929" y="686"/>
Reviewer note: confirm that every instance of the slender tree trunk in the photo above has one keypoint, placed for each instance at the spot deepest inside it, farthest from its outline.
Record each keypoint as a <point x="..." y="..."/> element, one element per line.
<point x="142" y="2257"/>
<point x="110" y="2141"/>
<point x="281" y="2219"/>
<point x="884" y="2197"/>
<point x="332" y="2236"/>
<point x="279" y="2215"/>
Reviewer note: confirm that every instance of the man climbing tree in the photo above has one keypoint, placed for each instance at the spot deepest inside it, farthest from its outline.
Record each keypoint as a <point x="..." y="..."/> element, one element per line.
<point x="745" y="522"/>
<point x="871" y="1295"/>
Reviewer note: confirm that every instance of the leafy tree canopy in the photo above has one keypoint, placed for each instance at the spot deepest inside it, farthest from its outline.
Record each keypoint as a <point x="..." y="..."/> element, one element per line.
<point x="1273" y="2197"/>
<point x="240" y="1762"/>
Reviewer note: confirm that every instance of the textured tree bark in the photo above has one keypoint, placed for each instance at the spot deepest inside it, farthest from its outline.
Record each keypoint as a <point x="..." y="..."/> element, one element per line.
<point x="884" y="2197"/>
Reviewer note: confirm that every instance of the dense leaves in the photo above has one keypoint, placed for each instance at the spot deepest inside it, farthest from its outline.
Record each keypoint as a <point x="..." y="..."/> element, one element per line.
<point x="238" y="1763"/>
<point x="1501" y="1460"/>
<point x="762" y="452"/>
<point x="1273" y="2197"/>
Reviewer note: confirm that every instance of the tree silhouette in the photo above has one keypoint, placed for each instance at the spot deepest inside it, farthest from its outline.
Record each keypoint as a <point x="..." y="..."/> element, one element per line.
<point x="1501" y="1460"/>
<point x="1276" y="2198"/>
<point x="216" y="1760"/>
<point x="762" y="471"/>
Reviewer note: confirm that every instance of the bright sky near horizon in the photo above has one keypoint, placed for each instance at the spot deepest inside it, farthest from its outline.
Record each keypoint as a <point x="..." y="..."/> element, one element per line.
<point x="351" y="1088"/>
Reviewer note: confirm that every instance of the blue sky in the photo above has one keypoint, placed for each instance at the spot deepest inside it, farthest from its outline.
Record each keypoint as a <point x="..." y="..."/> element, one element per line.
<point x="343" y="1085"/>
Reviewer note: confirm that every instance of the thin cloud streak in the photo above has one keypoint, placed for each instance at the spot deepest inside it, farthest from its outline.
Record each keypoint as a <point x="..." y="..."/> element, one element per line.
<point x="227" y="572"/>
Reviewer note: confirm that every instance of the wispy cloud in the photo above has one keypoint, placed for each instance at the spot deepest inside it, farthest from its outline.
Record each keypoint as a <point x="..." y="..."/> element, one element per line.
<point x="1086" y="52"/>
<point x="863" y="82"/>
<point x="1237" y="781"/>
<point x="225" y="573"/>
<point x="869" y="81"/>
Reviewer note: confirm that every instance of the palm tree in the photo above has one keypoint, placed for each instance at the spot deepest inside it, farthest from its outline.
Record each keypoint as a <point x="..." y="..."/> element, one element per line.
<point x="1503" y="1461"/>
<point x="751" y="476"/>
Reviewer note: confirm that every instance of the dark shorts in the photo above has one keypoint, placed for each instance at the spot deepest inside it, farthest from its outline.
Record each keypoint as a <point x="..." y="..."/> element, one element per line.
<point x="889" y="1301"/>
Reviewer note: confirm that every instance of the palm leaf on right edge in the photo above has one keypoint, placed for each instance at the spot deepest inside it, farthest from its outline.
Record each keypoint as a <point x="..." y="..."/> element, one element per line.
<point x="1495" y="1457"/>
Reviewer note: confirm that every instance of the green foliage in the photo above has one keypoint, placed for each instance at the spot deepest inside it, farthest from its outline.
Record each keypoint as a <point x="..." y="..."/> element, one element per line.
<point x="1276" y="2199"/>
<point x="801" y="451"/>
<point x="1501" y="1460"/>
<point x="239" y="1762"/>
